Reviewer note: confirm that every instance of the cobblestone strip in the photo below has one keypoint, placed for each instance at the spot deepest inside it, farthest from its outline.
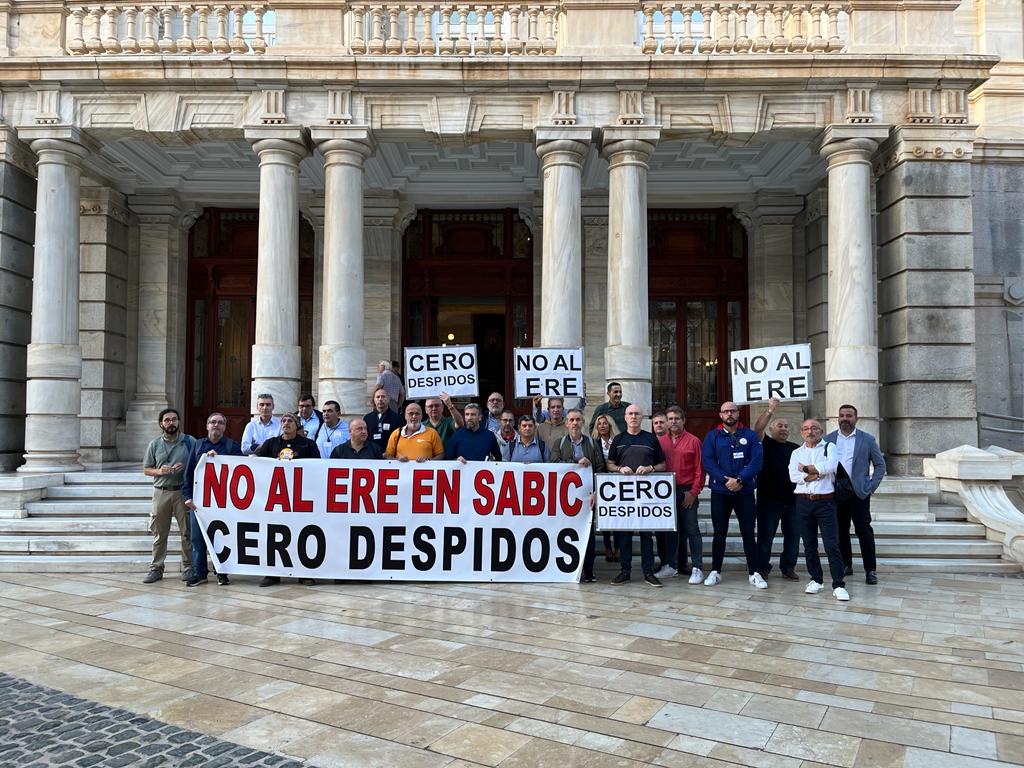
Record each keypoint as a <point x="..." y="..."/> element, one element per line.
<point x="41" y="728"/>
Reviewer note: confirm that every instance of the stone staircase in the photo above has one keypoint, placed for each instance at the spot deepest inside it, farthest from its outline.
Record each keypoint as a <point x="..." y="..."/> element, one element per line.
<point x="97" y="521"/>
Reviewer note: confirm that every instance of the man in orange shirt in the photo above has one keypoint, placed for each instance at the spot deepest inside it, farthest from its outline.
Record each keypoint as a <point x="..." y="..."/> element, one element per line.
<point x="683" y="459"/>
<point x="414" y="442"/>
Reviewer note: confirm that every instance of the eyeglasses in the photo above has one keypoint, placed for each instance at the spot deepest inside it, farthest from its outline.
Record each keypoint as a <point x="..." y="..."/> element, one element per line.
<point x="495" y="400"/>
<point x="730" y="410"/>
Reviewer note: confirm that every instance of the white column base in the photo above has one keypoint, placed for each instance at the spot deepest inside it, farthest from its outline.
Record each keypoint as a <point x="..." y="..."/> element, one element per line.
<point x="275" y="371"/>
<point x="343" y="378"/>
<point x="631" y="367"/>
<point x="53" y="399"/>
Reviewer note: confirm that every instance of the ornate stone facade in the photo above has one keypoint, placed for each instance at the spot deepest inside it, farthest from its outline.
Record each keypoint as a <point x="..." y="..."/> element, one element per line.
<point x="872" y="151"/>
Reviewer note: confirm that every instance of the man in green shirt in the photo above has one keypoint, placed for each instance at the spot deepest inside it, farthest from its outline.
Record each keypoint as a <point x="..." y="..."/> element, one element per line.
<point x="165" y="463"/>
<point x="614" y="409"/>
<point x="445" y="426"/>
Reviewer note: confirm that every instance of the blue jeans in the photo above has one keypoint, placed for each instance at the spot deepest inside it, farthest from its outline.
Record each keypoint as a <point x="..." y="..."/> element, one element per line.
<point x="625" y="544"/>
<point x="200" y="570"/>
<point x="686" y="521"/>
<point x="769" y="514"/>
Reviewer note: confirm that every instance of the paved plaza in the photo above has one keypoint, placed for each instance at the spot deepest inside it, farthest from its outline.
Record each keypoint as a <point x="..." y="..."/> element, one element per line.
<point x="923" y="671"/>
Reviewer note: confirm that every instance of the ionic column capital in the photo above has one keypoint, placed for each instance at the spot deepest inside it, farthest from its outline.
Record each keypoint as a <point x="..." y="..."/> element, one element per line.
<point x="629" y="145"/>
<point x="344" y="144"/>
<point x="563" y="145"/>
<point x="278" y="144"/>
<point x="841" y="144"/>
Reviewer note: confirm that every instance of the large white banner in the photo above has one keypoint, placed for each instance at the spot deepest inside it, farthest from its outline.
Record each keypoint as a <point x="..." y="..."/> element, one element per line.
<point x="782" y="372"/>
<point x="429" y="371"/>
<point x="548" y="372"/>
<point x="635" y="502"/>
<point x="431" y="521"/>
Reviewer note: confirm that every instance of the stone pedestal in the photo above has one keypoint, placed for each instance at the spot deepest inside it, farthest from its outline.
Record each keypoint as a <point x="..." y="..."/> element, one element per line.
<point x="162" y="267"/>
<point x="926" y="293"/>
<point x="54" y="358"/>
<point x="562" y="151"/>
<point x="276" y="355"/>
<point x="851" y="358"/>
<point x="342" y="356"/>
<point x="628" y="354"/>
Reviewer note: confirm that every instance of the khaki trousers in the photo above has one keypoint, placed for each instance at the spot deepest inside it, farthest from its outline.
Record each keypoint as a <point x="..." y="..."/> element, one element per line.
<point x="168" y="504"/>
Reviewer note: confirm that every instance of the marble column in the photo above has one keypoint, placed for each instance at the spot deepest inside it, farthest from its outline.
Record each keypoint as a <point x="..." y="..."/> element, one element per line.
<point x="851" y="358"/>
<point x="276" y="355"/>
<point x="562" y="151"/>
<point x="342" y="352"/>
<point x="54" y="358"/>
<point x="628" y="354"/>
<point x="162" y="252"/>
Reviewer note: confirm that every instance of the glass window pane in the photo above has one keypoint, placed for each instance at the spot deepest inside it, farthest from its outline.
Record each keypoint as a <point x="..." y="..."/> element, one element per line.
<point x="199" y="352"/>
<point x="233" y="351"/>
<point x="734" y="326"/>
<point x="701" y="355"/>
<point x="664" y="355"/>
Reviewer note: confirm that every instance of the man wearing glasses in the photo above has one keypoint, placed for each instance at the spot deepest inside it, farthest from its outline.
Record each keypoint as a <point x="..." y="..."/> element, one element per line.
<point x="216" y="443"/>
<point x="495" y="406"/>
<point x="732" y="456"/>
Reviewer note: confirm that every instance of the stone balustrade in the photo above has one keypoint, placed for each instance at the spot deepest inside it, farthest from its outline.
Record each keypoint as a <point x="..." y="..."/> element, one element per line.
<point x="741" y="27"/>
<point x="179" y="28"/>
<point x="447" y="29"/>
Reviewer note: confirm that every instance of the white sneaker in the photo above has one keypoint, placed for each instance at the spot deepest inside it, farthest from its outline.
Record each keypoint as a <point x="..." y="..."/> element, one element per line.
<point x="839" y="593"/>
<point x="697" y="576"/>
<point x="712" y="579"/>
<point x="666" y="571"/>
<point x="813" y="587"/>
<point x="756" y="580"/>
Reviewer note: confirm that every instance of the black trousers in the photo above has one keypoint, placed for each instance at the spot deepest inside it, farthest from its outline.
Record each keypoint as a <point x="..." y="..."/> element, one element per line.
<point x="859" y="512"/>
<point x="722" y="505"/>
<point x="814" y="516"/>
<point x="769" y="514"/>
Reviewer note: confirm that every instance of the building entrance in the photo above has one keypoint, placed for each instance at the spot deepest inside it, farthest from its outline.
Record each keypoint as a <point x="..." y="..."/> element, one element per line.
<point x="697" y="268"/>
<point x="467" y="278"/>
<point x="222" y="270"/>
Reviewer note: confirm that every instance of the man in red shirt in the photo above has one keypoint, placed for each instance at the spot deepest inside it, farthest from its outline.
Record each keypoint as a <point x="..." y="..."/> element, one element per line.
<point x="683" y="459"/>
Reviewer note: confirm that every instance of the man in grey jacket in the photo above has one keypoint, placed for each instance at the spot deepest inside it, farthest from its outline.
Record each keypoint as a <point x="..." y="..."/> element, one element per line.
<point x="860" y="460"/>
<point x="577" y="447"/>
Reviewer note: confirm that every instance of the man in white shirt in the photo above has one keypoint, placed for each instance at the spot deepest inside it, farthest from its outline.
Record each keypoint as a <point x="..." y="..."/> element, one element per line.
<point x="334" y="431"/>
<point x="263" y="426"/>
<point x="812" y="467"/>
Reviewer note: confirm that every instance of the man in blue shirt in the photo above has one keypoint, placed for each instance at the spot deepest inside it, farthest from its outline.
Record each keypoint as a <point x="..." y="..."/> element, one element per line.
<point x="732" y="456"/>
<point x="527" y="448"/>
<point x="472" y="442"/>
<point x="214" y="444"/>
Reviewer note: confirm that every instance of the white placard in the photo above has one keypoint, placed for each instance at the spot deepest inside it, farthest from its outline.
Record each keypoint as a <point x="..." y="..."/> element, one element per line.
<point x="635" y="502"/>
<point x="429" y="371"/>
<point x="782" y="372"/>
<point x="548" y="372"/>
<point x="431" y="521"/>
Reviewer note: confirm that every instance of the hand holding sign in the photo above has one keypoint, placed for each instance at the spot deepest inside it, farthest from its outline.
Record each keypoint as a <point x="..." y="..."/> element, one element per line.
<point x="780" y="373"/>
<point x="431" y="370"/>
<point x="548" y="372"/>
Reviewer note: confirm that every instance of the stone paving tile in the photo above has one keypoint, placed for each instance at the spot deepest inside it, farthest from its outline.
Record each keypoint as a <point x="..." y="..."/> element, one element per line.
<point x="46" y="727"/>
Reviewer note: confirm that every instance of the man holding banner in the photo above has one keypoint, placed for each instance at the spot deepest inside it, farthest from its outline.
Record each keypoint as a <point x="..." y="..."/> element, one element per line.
<point x="635" y="452"/>
<point x="414" y="442"/>
<point x="732" y="456"/>
<point x="472" y="442"/>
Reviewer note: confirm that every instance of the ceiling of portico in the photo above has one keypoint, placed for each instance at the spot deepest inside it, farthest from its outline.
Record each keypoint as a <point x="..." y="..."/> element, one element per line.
<point x="226" y="173"/>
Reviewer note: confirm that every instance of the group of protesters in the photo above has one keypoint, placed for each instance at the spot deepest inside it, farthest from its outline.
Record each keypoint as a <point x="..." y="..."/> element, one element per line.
<point x="820" y="486"/>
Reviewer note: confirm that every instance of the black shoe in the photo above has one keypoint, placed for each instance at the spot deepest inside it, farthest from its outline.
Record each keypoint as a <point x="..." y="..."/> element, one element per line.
<point x="587" y="578"/>
<point x="187" y="575"/>
<point x="195" y="581"/>
<point x="848" y="571"/>
<point x="791" y="575"/>
<point x="269" y="581"/>
<point x="223" y="580"/>
<point x="153" y="576"/>
<point x="622" y="578"/>
<point x="651" y="579"/>
<point x="870" y="577"/>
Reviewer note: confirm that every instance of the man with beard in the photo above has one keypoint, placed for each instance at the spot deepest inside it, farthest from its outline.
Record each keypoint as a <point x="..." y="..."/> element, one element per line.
<point x="575" y="447"/>
<point x="414" y="442"/>
<point x="334" y="431"/>
<point x="732" y="457"/>
<point x="472" y="442"/>
<point x="553" y="428"/>
<point x="615" y="408"/>
<point x="495" y="406"/>
<point x="382" y="420"/>
<point x="775" y="500"/>
<point x="165" y="462"/>
<point x="214" y="444"/>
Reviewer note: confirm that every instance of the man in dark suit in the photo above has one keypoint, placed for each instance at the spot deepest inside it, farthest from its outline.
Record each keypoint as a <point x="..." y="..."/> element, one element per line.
<point x="577" y="447"/>
<point x="860" y="460"/>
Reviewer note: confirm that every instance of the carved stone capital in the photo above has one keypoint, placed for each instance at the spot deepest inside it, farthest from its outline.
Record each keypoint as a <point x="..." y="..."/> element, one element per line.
<point x="925" y="142"/>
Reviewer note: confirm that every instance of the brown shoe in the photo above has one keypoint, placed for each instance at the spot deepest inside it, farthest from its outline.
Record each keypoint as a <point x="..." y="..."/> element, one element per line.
<point x="791" y="575"/>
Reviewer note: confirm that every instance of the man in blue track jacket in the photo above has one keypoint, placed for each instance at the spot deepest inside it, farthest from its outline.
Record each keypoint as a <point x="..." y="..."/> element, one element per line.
<point x="732" y="456"/>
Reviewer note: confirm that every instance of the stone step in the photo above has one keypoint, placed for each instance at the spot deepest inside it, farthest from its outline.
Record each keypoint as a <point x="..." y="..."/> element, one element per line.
<point x="91" y="508"/>
<point x="119" y="477"/>
<point x="86" y="563"/>
<point x="948" y="512"/>
<point x="97" y="492"/>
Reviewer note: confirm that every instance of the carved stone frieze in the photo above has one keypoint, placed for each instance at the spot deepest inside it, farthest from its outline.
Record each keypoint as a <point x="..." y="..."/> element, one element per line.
<point x="924" y="142"/>
<point x="858" y="105"/>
